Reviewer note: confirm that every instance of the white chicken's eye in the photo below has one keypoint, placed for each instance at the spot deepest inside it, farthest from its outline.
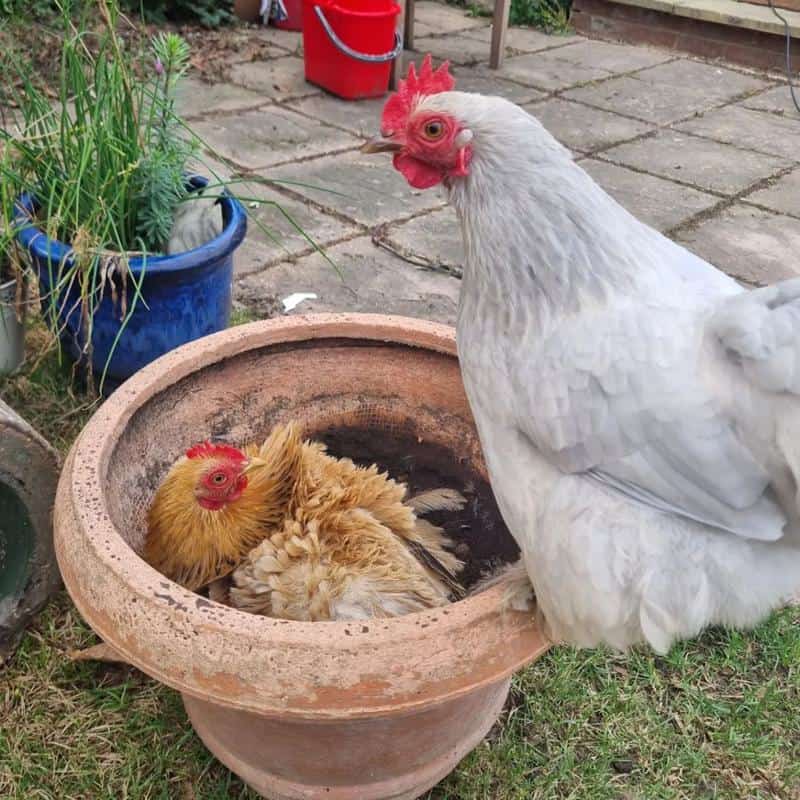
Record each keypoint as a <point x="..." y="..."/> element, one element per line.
<point x="434" y="129"/>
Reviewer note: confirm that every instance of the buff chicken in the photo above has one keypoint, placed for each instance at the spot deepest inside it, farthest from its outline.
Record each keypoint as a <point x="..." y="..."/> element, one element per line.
<point x="286" y="530"/>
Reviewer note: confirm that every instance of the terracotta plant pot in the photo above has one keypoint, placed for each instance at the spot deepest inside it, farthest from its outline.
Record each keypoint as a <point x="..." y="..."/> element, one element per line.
<point x="247" y="10"/>
<point x="380" y="709"/>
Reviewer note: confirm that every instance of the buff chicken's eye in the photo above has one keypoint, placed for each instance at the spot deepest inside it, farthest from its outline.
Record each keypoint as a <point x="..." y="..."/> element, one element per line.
<point x="218" y="479"/>
<point x="434" y="129"/>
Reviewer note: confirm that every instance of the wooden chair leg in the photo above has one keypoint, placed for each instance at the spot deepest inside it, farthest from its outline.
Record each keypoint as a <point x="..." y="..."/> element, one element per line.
<point x="408" y="39"/>
<point x="406" y="15"/>
<point x="499" y="28"/>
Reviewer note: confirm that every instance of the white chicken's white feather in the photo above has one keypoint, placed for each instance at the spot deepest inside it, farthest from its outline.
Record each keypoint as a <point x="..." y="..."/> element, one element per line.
<point x="637" y="408"/>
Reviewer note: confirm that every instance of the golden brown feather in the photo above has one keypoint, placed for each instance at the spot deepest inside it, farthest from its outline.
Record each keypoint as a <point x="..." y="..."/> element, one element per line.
<point x="308" y="536"/>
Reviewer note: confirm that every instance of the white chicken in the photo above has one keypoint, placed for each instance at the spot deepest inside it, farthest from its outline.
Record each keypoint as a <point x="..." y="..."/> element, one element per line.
<point x="638" y="409"/>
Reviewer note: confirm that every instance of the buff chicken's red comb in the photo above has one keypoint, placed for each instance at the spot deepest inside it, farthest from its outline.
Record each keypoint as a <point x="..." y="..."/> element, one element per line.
<point x="429" y="81"/>
<point x="210" y="449"/>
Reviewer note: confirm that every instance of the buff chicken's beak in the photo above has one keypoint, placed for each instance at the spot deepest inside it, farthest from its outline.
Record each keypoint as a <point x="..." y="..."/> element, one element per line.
<point x="381" y="144"/>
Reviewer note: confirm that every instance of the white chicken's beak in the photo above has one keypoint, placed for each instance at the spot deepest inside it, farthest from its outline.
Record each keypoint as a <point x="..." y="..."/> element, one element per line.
<point x="381" y="144"/>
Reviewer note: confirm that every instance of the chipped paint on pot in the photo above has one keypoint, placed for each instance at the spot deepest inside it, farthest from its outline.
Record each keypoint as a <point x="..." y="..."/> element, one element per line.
<point x="393" y="704"/>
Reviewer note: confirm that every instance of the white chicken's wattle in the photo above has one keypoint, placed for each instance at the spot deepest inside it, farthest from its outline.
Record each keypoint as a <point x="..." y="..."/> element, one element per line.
<point x="638" y="409"/>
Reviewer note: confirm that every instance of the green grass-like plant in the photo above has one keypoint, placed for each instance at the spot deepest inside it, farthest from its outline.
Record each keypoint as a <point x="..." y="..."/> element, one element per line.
<point x="106" y="162"/>
<point x="210" y="13"/>
<point x="549" y="15"/>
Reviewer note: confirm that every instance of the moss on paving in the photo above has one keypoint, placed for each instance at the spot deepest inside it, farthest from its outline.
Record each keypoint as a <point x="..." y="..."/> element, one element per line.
<point x="717" y="718"/>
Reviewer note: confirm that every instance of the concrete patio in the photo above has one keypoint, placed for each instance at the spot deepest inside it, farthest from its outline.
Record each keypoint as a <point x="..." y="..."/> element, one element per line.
<point x="707" y="153"/>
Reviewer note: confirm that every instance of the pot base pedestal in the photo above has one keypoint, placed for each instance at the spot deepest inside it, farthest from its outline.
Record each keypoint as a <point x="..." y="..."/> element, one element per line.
<point x="378" y="758"/>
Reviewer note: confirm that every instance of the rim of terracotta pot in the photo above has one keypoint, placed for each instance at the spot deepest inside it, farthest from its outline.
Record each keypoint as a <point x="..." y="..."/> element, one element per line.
<point x="309" y="669"/>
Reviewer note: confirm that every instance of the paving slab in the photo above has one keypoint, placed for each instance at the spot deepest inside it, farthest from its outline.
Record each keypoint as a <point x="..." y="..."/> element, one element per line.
<point x="196" y="98"/>
<point x="524" y="40"/>
<point x="291" y="41"/>
<point x="363" y="188"/>
<point x="431" y="18"/>
<point x="752" y="245"/>
<point x="272" y="233"/>
<point x="454" y="48"/>
<point x="699" y="162"/>
<point x="668" y="92"/>
<point x="635" y="98"/>
<point x="580" y="62"/>
<point x="582" y="128"/>
<point x="719" y="83"/>
<point x="777" y="100"/>
<point x="753" y="130"/>
<point x="279" y="78"/>
<point x="486" y="81"/>
<point x="615" y="58"/>
<point x="435" y="238"/>
<point x="783" y="195"/>
<point x="372" y="280"/>
<point x="211" y="168"/>
<point x="362" y="117"/>
<point x="745" y="16"/>
<point x="479" y="78"/>
<point x="660" y="203"/>
<point x="551" y="70"/>
<point x="272" y="135"/>
<point x="249" y="44"/>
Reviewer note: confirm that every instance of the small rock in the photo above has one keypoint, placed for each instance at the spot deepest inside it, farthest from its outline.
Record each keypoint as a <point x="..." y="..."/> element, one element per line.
<point x="197" y="221"/>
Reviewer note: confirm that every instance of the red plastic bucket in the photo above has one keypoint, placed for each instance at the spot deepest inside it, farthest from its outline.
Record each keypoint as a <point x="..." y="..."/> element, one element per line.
<point x="349" y="45"/>
<point x="294" y="18"/>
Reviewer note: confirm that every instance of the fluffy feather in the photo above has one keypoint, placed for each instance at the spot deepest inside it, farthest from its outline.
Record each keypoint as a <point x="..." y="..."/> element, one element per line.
<point x="349" y="548"/>
<point x="307" y="537"/>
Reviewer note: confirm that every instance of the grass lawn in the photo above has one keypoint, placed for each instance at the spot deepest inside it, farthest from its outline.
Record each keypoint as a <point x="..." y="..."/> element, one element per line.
<point x="716" y="718"/>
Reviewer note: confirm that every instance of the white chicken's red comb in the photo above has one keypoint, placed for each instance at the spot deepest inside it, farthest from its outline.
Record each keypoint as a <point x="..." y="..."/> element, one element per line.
<point x="429" y="81"/>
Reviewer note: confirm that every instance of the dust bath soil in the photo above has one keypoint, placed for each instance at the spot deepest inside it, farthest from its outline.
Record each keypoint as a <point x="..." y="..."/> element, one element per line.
<point x="478" y="532"/>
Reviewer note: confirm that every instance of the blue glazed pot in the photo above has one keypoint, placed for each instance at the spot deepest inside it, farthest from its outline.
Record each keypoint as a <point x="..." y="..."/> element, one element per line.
<point x="183" y="296"/>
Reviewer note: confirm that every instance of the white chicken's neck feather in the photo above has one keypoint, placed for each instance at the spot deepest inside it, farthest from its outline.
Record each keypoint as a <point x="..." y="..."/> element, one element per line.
<point x="535" y="224"/>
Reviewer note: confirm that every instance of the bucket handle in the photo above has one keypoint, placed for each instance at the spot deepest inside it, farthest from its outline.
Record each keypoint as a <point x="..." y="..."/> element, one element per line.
<point x="367" y="57"/>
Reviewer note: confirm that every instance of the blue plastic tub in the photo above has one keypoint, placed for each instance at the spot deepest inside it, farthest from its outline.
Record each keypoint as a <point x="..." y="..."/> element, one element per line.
<point x="187" y="295"/>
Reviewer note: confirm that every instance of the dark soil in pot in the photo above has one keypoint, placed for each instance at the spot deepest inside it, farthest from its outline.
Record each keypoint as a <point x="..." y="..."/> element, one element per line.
<point x="480" y="536"/>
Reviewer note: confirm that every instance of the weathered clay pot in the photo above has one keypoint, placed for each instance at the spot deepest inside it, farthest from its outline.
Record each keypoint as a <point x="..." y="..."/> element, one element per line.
<point x="28" y="571"/>
<point x="334" y="710"/>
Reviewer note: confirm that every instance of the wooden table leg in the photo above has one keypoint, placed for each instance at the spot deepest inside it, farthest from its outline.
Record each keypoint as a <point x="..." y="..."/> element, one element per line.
<point x="406" y="11"/>
<point x="499" y="28"/>
<point x="408" y="40"/>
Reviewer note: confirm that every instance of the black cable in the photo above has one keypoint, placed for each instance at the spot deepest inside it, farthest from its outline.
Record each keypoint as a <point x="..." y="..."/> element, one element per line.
<point x="788" y="53"/>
